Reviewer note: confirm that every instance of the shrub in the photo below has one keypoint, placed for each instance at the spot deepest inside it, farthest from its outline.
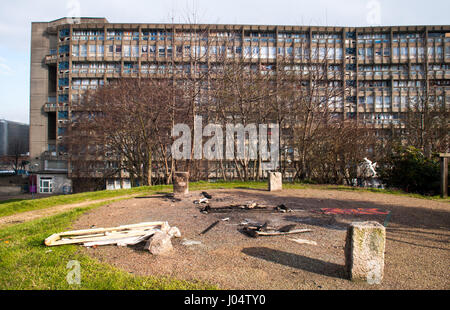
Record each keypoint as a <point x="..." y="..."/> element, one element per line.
<point x="408" y="169"/>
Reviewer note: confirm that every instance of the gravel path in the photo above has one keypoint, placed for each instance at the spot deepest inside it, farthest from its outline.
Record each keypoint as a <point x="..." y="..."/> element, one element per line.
<point x="417" y="246"/>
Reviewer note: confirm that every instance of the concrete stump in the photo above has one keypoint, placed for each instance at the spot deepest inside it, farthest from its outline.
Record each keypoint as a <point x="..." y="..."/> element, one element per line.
<point x="364" y="252"/>
<point x="275" y="181"/>
<point x="180" y="183"/>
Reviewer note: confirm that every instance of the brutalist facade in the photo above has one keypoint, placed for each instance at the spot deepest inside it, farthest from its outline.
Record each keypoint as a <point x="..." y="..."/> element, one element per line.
<point x="384" y="68"/>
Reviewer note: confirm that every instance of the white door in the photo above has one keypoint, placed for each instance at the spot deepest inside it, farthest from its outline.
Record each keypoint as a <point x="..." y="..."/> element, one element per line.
<point x="45" y="185"/>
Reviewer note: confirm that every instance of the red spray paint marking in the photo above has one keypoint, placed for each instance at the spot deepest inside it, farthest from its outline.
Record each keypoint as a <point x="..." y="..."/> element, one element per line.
<point x="372" y="211"/>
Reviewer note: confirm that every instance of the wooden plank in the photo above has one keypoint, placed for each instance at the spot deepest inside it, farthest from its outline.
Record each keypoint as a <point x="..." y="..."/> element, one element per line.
<point x="209" y="227"/>
<point x="121" y="241"/>
<point x="127" y="234"/>
<point x="303" y="241"/>
<point x="88" y="233"/>
<point x="99" y="230"/>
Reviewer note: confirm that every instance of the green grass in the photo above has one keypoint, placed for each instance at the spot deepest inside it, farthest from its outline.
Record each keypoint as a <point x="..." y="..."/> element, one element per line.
<point x="12" y="207"/>
<point x="26" y="263"/>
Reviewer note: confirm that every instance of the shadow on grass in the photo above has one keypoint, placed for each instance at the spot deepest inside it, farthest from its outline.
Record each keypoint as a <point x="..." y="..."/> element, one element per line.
<point x="11" y="200"/>
<point x="297" y="261"/>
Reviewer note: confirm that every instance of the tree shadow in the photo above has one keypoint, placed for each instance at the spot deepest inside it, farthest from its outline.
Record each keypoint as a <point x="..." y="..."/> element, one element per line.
<point x="11" y="200"/>
<point x="416" y="244"/>
<point x="161" y="195"/>
<point x="253" y="189"/>
<point x="297" y="261"/>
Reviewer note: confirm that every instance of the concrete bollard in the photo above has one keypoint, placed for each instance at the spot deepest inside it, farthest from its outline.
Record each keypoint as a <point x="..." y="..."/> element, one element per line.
<point x="275" y="181"/>
<point x="364" y="252"/>
<point x="180" y="183"/>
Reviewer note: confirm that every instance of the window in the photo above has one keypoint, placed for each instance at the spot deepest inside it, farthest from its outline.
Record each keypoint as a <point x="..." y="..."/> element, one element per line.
<point x="45" y="185"/>
<point x="396" y="101"/>
<point x="170" y="51"/>
<point x="404" y="52"/>
<point x="330" y="53"/>
<point x="75" y="50"/>
<point x="289" y="51"/>
<point x="378" y="52"/>
<point x="322" y="52"/>
<point x="387" y="102"/>
<point x="83" y="50"/>
<point x="439" y="51"/>
<point x="378" y="102"/>
<point x="100" y="50"/>
<point x="314" y="53"/>
<point x="396" y="52"/>
<point x="135" y="51"/>
<point x="92" y="50"/>
<point x="161" y="51"/>
<point x="127" y="50"/>
<point x="421" y="52"/>
<point x="361" y="53"/>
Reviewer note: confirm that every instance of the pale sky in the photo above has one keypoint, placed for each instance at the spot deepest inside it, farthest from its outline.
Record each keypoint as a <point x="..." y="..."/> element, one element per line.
<point x="16" y="17"/>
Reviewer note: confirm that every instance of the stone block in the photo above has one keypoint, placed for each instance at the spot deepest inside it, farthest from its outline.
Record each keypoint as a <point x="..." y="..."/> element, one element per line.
<point x="159" y="244"/>
<point x="364" y="252"/>
<point x="275" y="181"/>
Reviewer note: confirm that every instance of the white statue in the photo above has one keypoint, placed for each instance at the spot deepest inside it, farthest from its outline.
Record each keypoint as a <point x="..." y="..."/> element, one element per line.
<point x="372" y="166"/>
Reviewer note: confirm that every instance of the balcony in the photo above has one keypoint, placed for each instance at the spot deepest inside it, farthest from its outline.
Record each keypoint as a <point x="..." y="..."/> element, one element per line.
<point x="53" y="107"/>
<point x="52" y="58"/>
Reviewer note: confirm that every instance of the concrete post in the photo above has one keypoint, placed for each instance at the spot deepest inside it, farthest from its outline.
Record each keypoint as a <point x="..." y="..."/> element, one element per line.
<point x="180" y="183"/>
<point x="364" y="252"/>
<point x="444" y="175"/>
<point x="275" y="181"/>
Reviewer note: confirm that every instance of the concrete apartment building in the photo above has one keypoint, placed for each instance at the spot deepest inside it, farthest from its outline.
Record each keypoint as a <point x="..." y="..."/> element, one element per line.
<point x="14" y="138"/>
<point x="385" y="68"/>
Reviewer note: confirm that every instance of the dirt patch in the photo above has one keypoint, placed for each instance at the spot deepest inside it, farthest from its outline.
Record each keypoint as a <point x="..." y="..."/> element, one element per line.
<point x="417" y="247"/>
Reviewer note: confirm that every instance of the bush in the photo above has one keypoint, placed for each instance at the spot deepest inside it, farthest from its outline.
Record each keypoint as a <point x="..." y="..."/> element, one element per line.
<point x="409" y="170"/>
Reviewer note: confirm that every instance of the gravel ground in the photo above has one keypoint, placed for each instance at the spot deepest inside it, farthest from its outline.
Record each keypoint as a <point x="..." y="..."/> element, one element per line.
<point x="417" y="245"/>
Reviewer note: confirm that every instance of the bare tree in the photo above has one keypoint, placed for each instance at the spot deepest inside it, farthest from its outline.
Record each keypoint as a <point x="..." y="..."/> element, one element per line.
<point x="426" y="121"/>
<point x="123" y="128"/>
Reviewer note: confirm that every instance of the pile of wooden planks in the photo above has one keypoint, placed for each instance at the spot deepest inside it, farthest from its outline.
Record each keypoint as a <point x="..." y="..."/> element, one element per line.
<point x="121" y="235"/>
